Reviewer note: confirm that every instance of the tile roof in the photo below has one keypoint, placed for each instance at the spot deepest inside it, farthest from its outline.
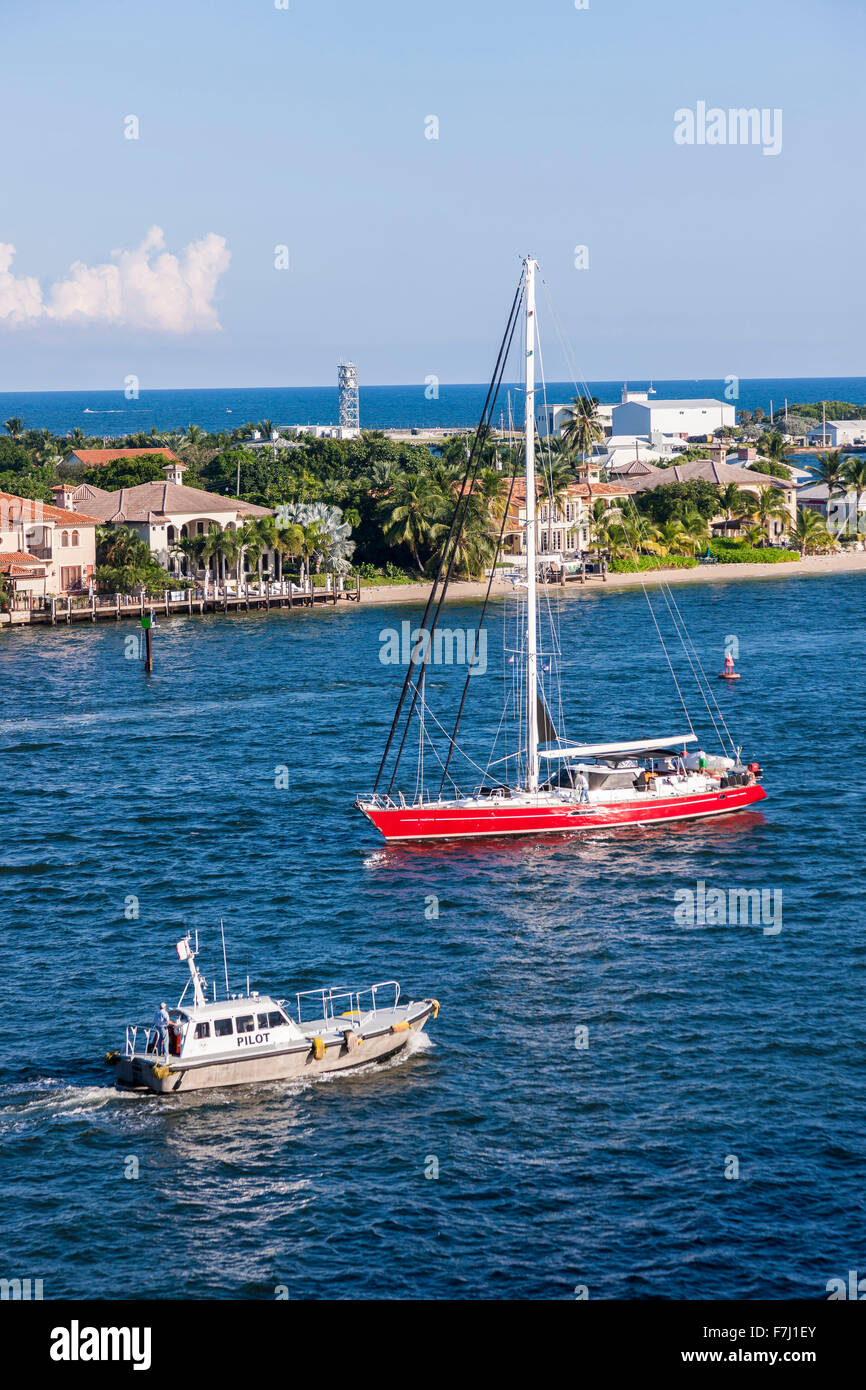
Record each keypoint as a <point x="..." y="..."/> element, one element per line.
<point x="94" y="457"/>
<point x="27" y="510"/>
<point x="709" y="471"/>
<point x="150" y="501"/>
<point x="585" y="490"/>
<point x="19" y="562"/>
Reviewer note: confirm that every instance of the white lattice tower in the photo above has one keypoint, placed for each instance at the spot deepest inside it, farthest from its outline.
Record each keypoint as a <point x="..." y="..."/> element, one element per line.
<point x="347" y="386"/>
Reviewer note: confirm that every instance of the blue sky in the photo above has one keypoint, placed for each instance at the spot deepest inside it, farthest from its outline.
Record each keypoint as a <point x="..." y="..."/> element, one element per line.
<point x="305" y="127"/>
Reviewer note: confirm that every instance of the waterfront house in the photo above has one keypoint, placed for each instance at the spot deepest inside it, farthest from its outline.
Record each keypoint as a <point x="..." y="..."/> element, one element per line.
<point x="562" y="526"/>
<point x="45" y="549"/>
<point x="721" y="473"/>
<point x="163" y="513"/>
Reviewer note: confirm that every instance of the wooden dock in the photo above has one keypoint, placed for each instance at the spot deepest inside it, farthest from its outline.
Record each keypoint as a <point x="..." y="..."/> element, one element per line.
<point x="75" y="608"/>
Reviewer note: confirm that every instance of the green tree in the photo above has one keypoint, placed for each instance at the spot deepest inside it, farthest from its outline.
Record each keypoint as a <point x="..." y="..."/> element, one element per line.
<point x="14" y="426"/>
<point x="124" y="563"/>
<point x="583" y="427"/>
<point x="126" y="472"/>
<point x="769" y="505"/>
<point x="810" y="532"/>
<point x="413" y="515"/>
<point x="733" y="502"/>
<point x="829" y="471"/>
<point x="774" y="447"/>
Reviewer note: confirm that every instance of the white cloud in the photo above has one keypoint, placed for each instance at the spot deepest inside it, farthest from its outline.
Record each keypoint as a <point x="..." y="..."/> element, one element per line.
<point x="148" y="287"/>
<point x="20" y="298"/>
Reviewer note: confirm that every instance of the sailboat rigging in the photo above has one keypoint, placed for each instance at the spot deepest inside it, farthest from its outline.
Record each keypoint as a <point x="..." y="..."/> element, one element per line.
<point x="557" y="786"/>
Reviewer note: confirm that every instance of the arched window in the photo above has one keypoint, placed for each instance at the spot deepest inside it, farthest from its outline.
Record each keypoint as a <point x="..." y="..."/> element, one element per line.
<point x="74" y="537"/>
<point x="64" y="539"/>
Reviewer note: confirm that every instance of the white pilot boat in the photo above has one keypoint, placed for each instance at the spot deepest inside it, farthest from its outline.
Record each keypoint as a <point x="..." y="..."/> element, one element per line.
<point x="251" y="1038"/>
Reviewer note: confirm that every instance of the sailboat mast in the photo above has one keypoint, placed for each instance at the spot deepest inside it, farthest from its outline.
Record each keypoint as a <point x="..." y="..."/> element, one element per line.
<point x="531" y="565"/>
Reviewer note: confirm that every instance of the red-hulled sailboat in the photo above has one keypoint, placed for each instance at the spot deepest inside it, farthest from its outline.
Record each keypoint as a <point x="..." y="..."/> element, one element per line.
<point x="549" y="785"/>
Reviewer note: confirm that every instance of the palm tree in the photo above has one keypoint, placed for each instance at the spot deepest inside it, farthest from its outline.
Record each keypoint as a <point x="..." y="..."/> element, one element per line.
<point x="598" y="522"/>
<point x="230" y="550"/>
<point x="809" y="531"/>
<point x="475" y="545"/>
<point x="269" y="532"/>
<point x="775" y="448"/>
<point x="697" y="532"/>
<point x="248" y="539"/>
<point x="310" y="548"/>
<point x="413" y="514"/>
<point x="493" y="486"/>
<point x="335" y="546"/>
<point x="288" y="540"/>
<point x="733" y="500"/>
<point x="189" y="443"/>
<point x="829" y="471"/>
<point x="583" y="428"/>
<point x="383" y="472"/>
<point x="212" y="548"/>
<point x="769" y="505"/>
<point x="190" y="547"/>
<point x="675" y="537"/>
<point x="650" y="540"/>
<point x="14" y="426"/>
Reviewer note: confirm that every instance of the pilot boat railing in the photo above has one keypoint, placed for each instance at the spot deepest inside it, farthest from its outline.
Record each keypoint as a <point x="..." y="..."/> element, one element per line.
<point x="132" y="1032"/>
<point x="340" y="1001"/>
<point x="146" y="1030"/>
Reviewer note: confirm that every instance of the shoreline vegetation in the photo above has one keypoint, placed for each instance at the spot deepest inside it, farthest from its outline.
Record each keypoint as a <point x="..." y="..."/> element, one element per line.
<point x="385" y="509"/>
<point x="812" y="566"/>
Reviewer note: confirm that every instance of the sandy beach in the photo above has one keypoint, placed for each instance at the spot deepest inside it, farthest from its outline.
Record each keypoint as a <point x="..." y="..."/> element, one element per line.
<point x="812" y="566"/>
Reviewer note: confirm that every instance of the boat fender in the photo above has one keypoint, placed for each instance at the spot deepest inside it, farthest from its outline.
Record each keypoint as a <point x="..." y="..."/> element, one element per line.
<point x="435" y="1003"/>
<point x="111" y="1058"/>
<point x="161" y="1072"/>
<point x="400" y="1027"/>
<point x="318" y="1048"/>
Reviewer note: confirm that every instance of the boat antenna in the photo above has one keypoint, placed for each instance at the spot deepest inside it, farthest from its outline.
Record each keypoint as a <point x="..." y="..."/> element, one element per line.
<point x="225" y="962"/>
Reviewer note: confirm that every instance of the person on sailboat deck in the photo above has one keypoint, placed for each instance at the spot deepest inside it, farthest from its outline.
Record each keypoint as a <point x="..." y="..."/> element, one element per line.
<point x="582" y="782"/>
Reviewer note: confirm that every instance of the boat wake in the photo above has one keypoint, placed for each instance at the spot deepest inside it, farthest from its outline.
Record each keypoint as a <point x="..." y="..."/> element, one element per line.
<point x="50" y="1098"/>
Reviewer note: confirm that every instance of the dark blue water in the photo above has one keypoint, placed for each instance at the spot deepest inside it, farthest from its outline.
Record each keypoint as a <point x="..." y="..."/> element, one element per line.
<point x="558" y="1167"/>
<point x="108" y="413"/>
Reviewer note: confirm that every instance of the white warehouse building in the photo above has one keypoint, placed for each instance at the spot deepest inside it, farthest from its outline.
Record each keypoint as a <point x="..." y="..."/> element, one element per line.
<point x="637" y="414"/>
<point x="836" y="434"/>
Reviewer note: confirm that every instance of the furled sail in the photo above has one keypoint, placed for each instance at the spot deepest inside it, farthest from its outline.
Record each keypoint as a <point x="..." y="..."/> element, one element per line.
<point x="546" y="731"/>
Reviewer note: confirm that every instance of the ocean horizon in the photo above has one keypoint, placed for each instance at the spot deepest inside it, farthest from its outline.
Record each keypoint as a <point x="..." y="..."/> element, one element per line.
<point x="110" y="415"/>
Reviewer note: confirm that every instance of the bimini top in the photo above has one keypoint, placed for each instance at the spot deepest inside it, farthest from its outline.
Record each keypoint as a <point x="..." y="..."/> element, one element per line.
<point x="631" y="750"/>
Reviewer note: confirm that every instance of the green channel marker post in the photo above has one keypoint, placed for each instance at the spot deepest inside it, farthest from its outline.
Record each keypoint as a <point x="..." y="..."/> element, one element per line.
<point x="148" y="651"/>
